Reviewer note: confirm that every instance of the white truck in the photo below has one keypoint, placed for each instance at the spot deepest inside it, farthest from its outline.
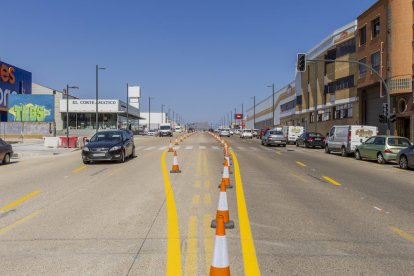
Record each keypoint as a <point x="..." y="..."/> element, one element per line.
<point x="292" y="133"/>
<point x="178" y="129"/>
<point x="165" y="130"/>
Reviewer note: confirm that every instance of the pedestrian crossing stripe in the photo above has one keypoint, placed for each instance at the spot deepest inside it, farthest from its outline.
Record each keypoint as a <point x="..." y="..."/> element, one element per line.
<point x="216" y="148"/>
<point x="150" y="148"/>
<point x="189" y="147"/>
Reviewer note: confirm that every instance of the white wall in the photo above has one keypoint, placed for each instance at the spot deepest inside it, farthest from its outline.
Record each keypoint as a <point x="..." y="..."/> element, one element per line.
<point x="156" y="119"/>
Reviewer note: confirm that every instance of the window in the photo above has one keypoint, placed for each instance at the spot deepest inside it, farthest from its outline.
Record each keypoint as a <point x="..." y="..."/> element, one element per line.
<point x="330" y="88"/>
<point x="288" y="106"/>
<point x="345" y="48"/>
<point x="344" y="83"/>
<point x="363" y="36"/>
<point x="362" y="69"/>
<point x="331" y="133"/>
<point x="379" y="141"/>
<point x="375" y="27"/>
<point x="343" y="111"/>
<point x="299" y="99"/>
<point x="324" y="115"/>
<point x="370" y="140"/>
<point x="312" y="117"/>
<point x="375" y="61"/>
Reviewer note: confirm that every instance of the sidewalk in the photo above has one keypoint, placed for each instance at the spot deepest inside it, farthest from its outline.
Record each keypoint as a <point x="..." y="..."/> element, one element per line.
<point x="35" y="147"/>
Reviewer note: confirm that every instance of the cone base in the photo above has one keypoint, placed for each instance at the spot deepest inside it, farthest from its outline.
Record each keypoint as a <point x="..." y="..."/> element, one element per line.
<point x="227" y="225"/>
<point x="219" y="271"/>
<point x="179" y="171"/>
<point x="227" y="186"/>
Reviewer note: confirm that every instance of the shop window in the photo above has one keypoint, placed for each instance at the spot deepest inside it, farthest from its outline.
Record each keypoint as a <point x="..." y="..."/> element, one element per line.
<point x="363" y="36"/>
<point x="343" y="111"/>
<point x="362" y="68"/>
<point x="375" y="61"/>
<point x="324" y="115"/>
<point x="375" y="27"/>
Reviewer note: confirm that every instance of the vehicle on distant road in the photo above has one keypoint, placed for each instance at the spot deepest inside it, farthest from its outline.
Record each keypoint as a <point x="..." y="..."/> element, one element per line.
<point x="152" y="132"/>
<point x="346" y="138"/>
<point x="225" y="132"/>
<point x="178" y="129"/>
<point x="115" y="145"/>
<point x="165" y="130"/>
<point x="231" y="132"/>
<point x="292" y="133"/>
<point x="246" y="133"/>
<point x="274" y="138"/>
<point x="311" y="139"/>
<point x="256" y="133"/>
<point x="237" y="131"/>
<point x="381" y="148"/>
<point x="405" y="158"/>
<point x="6" y="152"/>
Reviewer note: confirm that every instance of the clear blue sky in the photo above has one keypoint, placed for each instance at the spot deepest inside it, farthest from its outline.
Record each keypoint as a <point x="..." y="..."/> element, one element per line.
<point x="200" y="58"/>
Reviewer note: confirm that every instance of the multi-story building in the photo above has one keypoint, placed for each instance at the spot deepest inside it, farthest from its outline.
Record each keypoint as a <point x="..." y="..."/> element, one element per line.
<point x="385" y="42"/>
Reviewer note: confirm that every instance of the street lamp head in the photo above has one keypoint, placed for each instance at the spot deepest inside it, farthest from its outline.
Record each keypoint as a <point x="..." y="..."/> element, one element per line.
<point x="101" y="68"/>
<point x="73" y="87"/>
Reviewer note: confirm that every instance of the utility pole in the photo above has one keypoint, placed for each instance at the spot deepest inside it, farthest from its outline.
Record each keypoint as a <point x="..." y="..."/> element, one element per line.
<point x="242" y="120"/>
<point x="149" y="113"/>
<point x="97" y="95"/>
<point x="162" y="113"/>
<point x="127" y="109"/>
<point x="273" y="104"/>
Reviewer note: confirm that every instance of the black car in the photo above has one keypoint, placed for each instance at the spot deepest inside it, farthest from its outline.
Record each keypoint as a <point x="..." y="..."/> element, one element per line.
<point x="6" y="152"/>
<point x="115" y="145"/>
<point x="311" y="139"/>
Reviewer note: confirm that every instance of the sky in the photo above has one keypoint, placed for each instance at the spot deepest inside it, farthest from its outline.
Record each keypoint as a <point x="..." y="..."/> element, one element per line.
<point x="201" y="59"/>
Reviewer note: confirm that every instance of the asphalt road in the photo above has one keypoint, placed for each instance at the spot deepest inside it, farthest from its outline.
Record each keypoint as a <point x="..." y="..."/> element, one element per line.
<point x="308" y="213"/>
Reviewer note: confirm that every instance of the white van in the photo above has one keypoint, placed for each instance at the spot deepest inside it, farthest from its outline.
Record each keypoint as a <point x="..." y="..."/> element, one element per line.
<point x="178" y="129"/>
<point x="345" y="138"/>
<point x="292" y="133"/>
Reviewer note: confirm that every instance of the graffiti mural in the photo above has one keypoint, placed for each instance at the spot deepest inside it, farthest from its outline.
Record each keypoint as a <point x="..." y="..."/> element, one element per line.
<point x="31" y="108"/>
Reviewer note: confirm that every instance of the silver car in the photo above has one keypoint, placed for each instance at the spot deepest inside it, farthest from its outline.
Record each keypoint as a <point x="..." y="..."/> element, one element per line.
<point x="405" y="158"/>
<point x="273" y="137"/>
<point x="225" y="132"/>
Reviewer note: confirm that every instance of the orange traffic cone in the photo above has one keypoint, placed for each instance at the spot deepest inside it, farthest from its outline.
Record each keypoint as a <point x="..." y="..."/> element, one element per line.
<point x="176" y="142"/>
<point x="220" y="265"/>
<point x="175" y="167"/>
<point x="227" y="158"/>
<point x="225" y="180"/>
<point x="223" y="210"/>
<point x="170" y="147"/>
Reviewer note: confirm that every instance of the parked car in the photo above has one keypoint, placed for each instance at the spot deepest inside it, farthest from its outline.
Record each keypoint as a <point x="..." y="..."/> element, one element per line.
<point x="274" y="137"/>
<point x="263" y="132"/>
<point x="115" y="145"/>
<point x="225" y="132"/>
<point x="346" y="138"/>
<point x="6" y="152"/>
<point x="231" y="132"/>
<point x="381" y="148"/>
<point x="405" y="158"/>
<point x="237" y="131"/>
<point x="246" y="133"/>
<point x="292" y="133"/>
<point x="311" y="139"/>
<point x="256" y="133"/>
<point x="152" y="132"/>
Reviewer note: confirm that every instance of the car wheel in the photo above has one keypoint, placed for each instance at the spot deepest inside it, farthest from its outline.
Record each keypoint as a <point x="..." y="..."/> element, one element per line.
<point x="357" y="155"/>
<point x="122" y="157"/>
<point x="133" y="155"/>
<point x="343" y="152"/>
<point x="380" y="158"/>
<point x="6" y="159"/>
<point x="297" y="144"/>
<point x="85" y="162"/>
<point x="327" y="150"/>
<point x="305" y="145"/>
<point x="284" y="145"/>
<point x="403" y="162"/>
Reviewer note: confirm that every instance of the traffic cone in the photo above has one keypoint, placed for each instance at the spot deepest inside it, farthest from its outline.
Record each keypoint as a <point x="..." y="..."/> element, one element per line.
<point x="170" y="147"/>
<point x="176" y="142"/>
<point x="175" y="167"/>
<point x="220" y="265"/>
<point x="225" y="180"/>
<point x="223" y="210"/>
<point x="227" y="158"/>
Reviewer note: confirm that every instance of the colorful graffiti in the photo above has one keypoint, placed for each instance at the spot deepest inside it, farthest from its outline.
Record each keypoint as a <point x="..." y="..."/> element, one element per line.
<point x="31" y="108"/>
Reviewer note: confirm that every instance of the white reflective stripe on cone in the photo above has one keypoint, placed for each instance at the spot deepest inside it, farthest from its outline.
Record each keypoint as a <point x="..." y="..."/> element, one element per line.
<point x="220" y="254"/>
<point x="222" y="203"/>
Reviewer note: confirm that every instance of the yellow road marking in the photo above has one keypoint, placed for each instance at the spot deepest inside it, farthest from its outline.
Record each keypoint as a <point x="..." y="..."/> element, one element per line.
<point x="278" y="152"/>
<point x="207" y="199"/>
<point x="205" y="167"/>
<point x="20" y="200"/>
<point x="251" y="265"/>
<point x="207" y="184"/>
<point x="173" y="234"/>
<point x="208" y="242"/>
<point x="196" y="199"/>
<point x="20" y="221"/>
<point x="198" y="166"/>
<point x="191" y="260"/>
<point x="402" y="234"/>
<point x="300" y="164"/>
<point x="115" y="171"/>
<point x="298" y="177"/>
<point x="197" y="184"/>
<point x="79" y="169"/>
<point x="332" y="181"/>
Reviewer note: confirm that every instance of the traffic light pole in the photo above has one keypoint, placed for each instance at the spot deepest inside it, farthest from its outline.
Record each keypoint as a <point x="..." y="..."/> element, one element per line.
<point x="372" y="70"/>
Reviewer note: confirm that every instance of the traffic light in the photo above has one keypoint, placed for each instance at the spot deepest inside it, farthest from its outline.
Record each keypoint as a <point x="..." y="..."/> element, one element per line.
<point x="301" y="63"/>
<point x="382" y="119"/>
<point x="385" y="110"/>
<point x="392" y="118"/>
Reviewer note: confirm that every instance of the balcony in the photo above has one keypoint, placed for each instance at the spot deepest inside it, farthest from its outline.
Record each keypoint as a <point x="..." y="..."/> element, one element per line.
<point x="399" y="85"/>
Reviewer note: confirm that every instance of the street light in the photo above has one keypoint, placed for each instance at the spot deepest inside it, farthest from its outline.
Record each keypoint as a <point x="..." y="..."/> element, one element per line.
<point x="97" y="93"/>
<point x="67" y="112"/>
<point x="162" y="113"/>
<point x="254" y="111"/>
<point x="273" y="103"/>
<point x="149" y="113"/>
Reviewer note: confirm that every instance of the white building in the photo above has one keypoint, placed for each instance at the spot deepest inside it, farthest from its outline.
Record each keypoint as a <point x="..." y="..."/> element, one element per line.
<point x="155" y="119"/>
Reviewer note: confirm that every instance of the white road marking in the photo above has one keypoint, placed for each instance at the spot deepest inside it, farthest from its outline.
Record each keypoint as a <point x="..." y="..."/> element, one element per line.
<point x="378" y="209"/>
<point x="177" y="147"/>
<point x="215" y="148"/>
<point x="150" y="148"/>
<point x="163" y="148"/>
<point x="241" y="148"/>
<point x="253" y="148"/>
<point x="201" y="147"/>
<point x="189" y="147"/>
<point x="139" y="148"/>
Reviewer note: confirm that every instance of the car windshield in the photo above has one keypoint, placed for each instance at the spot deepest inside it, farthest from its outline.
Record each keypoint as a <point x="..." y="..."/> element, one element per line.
<point x="247" y="130"/>
<point x="276" y="133"/>
<point x="314" y="135"/>
<point x="107" y="136"/>
<point x="165" y="127"/>
<point x="398" y="142"/>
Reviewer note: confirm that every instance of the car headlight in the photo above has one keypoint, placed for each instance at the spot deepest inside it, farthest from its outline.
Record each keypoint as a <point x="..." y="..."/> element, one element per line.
<point x="115" y="148"/>
<point x="85" y="149"/>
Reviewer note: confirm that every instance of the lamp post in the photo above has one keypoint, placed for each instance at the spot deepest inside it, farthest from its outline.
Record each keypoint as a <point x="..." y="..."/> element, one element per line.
<point x="273" y="103"/>
<point x="149" y="113"/>
<point x="254" y="111"/>
<point x="67" y="112"/>
<point x="162" y="113"/>
<point x="97" y="94"/>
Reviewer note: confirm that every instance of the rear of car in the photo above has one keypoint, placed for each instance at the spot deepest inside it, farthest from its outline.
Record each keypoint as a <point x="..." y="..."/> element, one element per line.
<point x="405" y="158"/>
<point x="311" y="139"/>
<point x="274" y="138"/>
<point x="246" y="133"/>
<point x="393" y="146"/>
<point x="225" y="132"/>
<point x="6" y="152"/>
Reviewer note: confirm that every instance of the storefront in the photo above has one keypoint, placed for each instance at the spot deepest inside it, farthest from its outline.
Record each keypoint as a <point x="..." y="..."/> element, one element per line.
<point x="112" y="114"/>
